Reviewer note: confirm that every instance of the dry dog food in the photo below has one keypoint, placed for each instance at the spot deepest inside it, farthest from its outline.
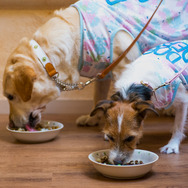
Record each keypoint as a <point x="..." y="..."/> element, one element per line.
<point x="104" y="160"/>
<point x="38" y="127"/>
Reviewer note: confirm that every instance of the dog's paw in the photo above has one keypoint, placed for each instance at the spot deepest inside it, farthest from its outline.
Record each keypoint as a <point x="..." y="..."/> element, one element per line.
<point x="87" y="120"/>
<point x="170" y="148"/>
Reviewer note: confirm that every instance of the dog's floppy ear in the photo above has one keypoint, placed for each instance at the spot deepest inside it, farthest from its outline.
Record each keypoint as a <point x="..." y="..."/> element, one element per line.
<point x="117" y="96"/>
<point x="142" y="107"/>
<point x="24" y="79"/>
<point x="102" y="106"/>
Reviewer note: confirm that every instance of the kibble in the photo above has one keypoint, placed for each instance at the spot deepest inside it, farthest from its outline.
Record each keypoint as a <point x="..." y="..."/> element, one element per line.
<point x="38" y="127"/>
<point x="104" y="160"/>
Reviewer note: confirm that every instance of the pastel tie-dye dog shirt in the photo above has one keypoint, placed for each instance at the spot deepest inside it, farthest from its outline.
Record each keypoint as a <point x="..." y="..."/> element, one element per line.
<point x="100" y="20"/>
<point x="173" y="58"/>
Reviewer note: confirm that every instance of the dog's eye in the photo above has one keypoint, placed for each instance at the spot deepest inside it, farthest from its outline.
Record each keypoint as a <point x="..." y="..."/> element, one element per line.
<point x="129" y="139"/>
<point x="110" y="138"/>
<point x="10" y="97"/>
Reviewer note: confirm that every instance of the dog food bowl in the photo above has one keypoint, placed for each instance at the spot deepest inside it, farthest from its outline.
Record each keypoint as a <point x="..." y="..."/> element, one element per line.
<point x="38" y="136"/>
<point x="125" y="171"/>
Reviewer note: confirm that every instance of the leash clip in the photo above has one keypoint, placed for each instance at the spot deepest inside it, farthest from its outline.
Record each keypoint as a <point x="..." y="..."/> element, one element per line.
<point x="165" y="84"/>
<point x="82" y="85"/>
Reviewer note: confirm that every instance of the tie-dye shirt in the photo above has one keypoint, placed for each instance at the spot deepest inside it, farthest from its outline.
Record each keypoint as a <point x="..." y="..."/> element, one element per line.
<point x="100" y="20"/>
<point x="171" y="57"/>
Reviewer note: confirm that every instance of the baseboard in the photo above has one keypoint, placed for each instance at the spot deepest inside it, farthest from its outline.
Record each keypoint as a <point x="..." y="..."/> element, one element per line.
<point x="58" y="106"/>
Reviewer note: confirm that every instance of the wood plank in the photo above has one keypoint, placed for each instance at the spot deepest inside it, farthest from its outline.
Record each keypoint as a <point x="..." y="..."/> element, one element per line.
<point x="63" y="162"/>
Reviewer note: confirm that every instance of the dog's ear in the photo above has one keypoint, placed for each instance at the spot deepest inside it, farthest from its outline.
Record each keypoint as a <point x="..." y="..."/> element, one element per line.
<point x="142" y="107"/>
<point x="102" y="106"/>
<point x="24" y="79"/>
<point x="117" y="96"/>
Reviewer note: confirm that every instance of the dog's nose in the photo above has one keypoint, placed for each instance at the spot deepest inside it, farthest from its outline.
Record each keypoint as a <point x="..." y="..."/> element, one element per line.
<point x="118" y="161"/>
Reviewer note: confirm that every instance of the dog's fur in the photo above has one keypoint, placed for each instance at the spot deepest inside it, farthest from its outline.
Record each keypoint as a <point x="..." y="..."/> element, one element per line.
<point x="124" y="114"/>
<point x="26" y="83"/>
<point x="123" y="126"/>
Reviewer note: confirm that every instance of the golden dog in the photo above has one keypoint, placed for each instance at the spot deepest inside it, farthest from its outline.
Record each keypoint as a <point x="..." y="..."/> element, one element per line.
<point x="26" y="84"/>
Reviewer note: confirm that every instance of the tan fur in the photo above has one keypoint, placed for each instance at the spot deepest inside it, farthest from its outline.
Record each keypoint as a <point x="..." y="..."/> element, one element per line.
<point x="24" y="80"/>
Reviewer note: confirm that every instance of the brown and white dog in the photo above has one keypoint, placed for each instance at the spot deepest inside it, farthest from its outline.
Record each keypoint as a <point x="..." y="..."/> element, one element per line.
<point x="124" y="114"/>
<point x="26" y="83"/>
<point x="122" y="126"/>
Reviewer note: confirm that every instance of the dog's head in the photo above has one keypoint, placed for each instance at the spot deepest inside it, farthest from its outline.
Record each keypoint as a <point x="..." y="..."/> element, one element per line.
<point x="123" y="126"/>
<point x="26" y="86"/>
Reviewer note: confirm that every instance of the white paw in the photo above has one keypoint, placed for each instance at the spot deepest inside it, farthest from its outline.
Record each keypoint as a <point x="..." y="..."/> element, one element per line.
<point x="87" y="120"/>
<point x="170" y="148"/>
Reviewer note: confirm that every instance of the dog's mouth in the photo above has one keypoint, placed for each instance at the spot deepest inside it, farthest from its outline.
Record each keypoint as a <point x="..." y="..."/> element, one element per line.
<point x="28" y="127"/>
<point x="33" y="119"/>
<point x="119" y="157"/>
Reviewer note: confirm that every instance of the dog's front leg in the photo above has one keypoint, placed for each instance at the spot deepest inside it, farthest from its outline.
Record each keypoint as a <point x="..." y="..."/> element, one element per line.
<point x="178" y="129"/>
<point x="100" y="92"/>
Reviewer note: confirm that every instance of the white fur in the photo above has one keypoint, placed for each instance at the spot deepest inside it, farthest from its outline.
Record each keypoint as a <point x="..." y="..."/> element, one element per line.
<point x="120" y="119"/>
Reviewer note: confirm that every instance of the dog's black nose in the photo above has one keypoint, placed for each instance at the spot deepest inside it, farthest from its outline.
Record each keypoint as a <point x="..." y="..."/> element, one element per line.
<point x="118" y="161"/>
<point x="32" y="120"/>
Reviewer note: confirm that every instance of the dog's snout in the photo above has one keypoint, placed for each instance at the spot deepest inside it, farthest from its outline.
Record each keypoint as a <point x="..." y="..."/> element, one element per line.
<point x="118" y="161"/>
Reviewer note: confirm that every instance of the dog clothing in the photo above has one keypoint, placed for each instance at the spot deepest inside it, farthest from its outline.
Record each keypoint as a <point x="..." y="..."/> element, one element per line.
<point x="171" y="57"/>
<point x="100" y="20"/>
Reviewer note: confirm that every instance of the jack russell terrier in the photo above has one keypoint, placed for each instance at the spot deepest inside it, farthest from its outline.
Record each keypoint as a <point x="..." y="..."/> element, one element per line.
<point x="156" y="80"/>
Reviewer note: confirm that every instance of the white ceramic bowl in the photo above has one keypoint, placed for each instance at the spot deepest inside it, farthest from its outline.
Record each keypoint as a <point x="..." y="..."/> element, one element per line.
<point x="125" y="171"/>
<point x="38" y="136"/>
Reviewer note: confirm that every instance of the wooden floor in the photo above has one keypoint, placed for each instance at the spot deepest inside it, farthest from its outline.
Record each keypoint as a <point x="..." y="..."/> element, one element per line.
<point x="63" y="162"/>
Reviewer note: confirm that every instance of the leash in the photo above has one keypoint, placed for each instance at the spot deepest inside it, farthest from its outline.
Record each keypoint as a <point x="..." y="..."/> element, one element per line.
<point x="178" y="74"/>
<point x="116" y="62"/>
<point x="50" y="68"/>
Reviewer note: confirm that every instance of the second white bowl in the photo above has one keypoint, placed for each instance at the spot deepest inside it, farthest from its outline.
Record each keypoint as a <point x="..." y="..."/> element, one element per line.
<point x="125" y="171"/>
